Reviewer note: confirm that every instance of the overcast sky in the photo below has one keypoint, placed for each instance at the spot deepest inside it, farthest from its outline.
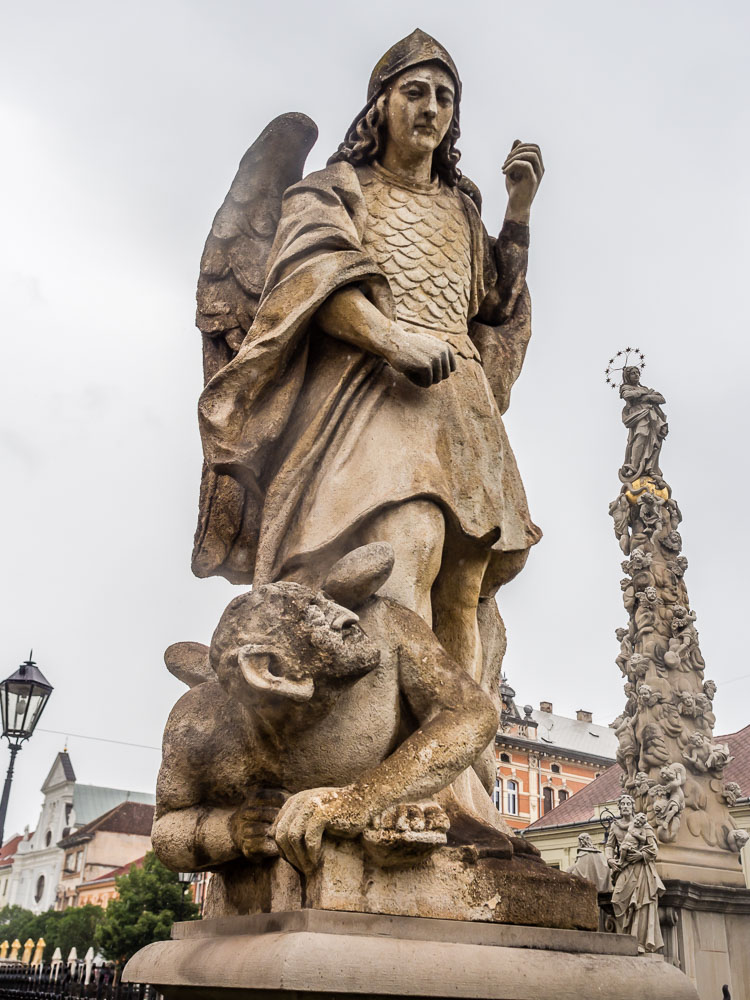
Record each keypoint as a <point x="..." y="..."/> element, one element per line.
<point x="123" y="125"/>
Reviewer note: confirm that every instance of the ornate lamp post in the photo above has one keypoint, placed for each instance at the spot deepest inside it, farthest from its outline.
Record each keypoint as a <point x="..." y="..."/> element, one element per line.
<point x="23" y="696"/>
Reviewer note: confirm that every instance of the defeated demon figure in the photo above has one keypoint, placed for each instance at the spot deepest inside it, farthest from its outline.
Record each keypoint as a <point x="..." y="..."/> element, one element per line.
<point x="309" y="719"/>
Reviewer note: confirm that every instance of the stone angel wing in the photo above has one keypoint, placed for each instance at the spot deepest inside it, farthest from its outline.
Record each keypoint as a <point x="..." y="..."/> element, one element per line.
<point x="232" y="274"/>
<point x="233" y="265"/>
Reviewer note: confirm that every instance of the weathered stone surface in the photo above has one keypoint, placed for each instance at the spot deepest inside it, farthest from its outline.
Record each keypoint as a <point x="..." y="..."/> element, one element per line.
<point x="453" y="883"/>
<point x="317" y="954"/>
<point x="303" y="730"/>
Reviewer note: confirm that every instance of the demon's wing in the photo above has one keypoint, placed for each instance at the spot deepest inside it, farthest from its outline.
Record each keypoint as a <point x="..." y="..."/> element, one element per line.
<point x="234" y="260"/>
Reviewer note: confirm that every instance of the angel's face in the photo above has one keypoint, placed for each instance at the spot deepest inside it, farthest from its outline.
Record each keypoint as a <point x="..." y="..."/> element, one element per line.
<point x="420" y="109"/>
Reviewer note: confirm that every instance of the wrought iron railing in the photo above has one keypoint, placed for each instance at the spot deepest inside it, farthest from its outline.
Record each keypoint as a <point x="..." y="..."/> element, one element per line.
<point x="54" y="982"/>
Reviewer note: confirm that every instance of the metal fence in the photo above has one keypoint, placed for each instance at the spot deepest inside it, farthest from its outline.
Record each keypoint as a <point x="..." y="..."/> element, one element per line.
<point x="50" y="982"/>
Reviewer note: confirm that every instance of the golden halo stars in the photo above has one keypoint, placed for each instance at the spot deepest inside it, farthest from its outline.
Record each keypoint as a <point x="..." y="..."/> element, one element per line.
<point x="631" y="357"/>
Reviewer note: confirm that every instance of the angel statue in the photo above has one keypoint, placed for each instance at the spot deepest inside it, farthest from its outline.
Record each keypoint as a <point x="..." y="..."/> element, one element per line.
<point x="361" y="337"/>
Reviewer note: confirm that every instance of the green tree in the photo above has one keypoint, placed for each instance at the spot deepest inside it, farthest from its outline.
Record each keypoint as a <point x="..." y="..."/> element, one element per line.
<point x="16" y="922"/>
<point x="74" y="927"/>
<point x="149" y="901"/>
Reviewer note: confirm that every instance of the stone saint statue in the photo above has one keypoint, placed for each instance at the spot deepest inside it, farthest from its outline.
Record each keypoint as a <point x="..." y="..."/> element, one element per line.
<point x="591" y="864"/>
<point x="647" y="427"/>
<point x="631" y="852"/>
<point x="362" y="334"/>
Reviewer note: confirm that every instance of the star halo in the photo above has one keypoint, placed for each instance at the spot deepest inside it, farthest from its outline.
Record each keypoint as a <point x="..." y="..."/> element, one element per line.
<point x="639" y="361"/>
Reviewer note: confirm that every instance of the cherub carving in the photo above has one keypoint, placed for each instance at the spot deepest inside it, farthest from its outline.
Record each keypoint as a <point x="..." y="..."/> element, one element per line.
<point x="684" y="652"/>
<point x="675" y="514"/>
<point x="736" y="839"/>
<point x="648" y="603"/>
<point x="295" y="727"/>
<point x="705" y="716"/>
<point x="639" y="568"/>
<point x="668" y="800"/>
<point x="672" y="542"/>
<point x="687" y="704"/>
<point x="626" y="650"/>
<point x="628" y="594"/>
<point x="619" y="511"/>
<point x="636" y="837"/>
<point x="631" y="704"/>
<point x="643" y="783"/>
<point x="627" y="750"/>
<point x="640" y="559"/>
<point x="703" y="755"/>
<point x="730" y="792"/>
<point x="654" y="751"/>
<point x="647" y="698"/>
<point x="637" y="668"/>
<point x="678" y="567"/>
<point x="650" y="508"/>
<point x="709" y="689"/>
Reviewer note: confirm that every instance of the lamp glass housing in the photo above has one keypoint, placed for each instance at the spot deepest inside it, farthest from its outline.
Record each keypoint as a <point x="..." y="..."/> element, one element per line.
<point x="23" y="697"/>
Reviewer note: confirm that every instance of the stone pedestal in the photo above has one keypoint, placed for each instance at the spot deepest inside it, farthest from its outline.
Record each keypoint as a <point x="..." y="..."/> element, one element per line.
<point x="694" y="862"/>
<point x="453" y="883"/>
<point x="707" y="934"/>
<point x="314" y="954"/>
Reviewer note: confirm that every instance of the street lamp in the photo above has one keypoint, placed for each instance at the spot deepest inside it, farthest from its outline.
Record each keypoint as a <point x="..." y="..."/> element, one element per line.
<point x="23" y="696"/>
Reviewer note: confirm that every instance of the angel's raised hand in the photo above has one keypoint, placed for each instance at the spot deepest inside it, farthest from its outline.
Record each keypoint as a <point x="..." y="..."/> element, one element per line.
<point x="523" y="169"/>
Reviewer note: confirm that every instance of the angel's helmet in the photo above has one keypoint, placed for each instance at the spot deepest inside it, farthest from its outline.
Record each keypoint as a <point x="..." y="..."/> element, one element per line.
<point x="416" y="48"/>
<point x="365" y="137"/>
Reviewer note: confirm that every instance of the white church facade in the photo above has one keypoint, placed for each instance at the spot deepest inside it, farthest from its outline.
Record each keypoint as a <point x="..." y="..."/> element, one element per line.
<point x="67" y="806"/>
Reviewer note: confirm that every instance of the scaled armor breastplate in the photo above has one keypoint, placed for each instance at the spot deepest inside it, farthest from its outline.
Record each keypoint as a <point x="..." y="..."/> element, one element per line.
<point x="422" y="242"/>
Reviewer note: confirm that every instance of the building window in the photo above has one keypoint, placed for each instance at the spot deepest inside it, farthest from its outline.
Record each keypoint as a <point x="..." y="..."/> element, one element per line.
<point x="39" y="889"/>
<point x="555" y="768"/>
<point x="505" y="758"/>
<point x="562" y="795"/>
<point x="68" y="811"/>
<point x="48" y="838"/>
<point x="497" y="795"/>
<point x="549" y="799"/>
<point x="511" y="798"/>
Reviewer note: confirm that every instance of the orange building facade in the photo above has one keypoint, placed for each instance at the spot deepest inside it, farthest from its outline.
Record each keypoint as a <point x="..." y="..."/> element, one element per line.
<point x="542" y="758"/>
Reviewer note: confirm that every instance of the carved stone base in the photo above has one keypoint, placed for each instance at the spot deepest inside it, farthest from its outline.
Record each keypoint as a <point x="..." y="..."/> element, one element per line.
<point x="452" y="883"/>
<point x="315" y="954"/>
<point x="706" y="933"/>
<point x="696" y="863"/>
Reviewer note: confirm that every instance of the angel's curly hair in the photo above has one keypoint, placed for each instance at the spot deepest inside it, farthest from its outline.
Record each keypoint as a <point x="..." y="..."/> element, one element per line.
<point x="365" y="141"/>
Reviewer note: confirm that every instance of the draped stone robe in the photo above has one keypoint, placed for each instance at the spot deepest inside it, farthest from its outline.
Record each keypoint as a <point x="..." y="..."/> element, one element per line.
<point x="309" y="436"/>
